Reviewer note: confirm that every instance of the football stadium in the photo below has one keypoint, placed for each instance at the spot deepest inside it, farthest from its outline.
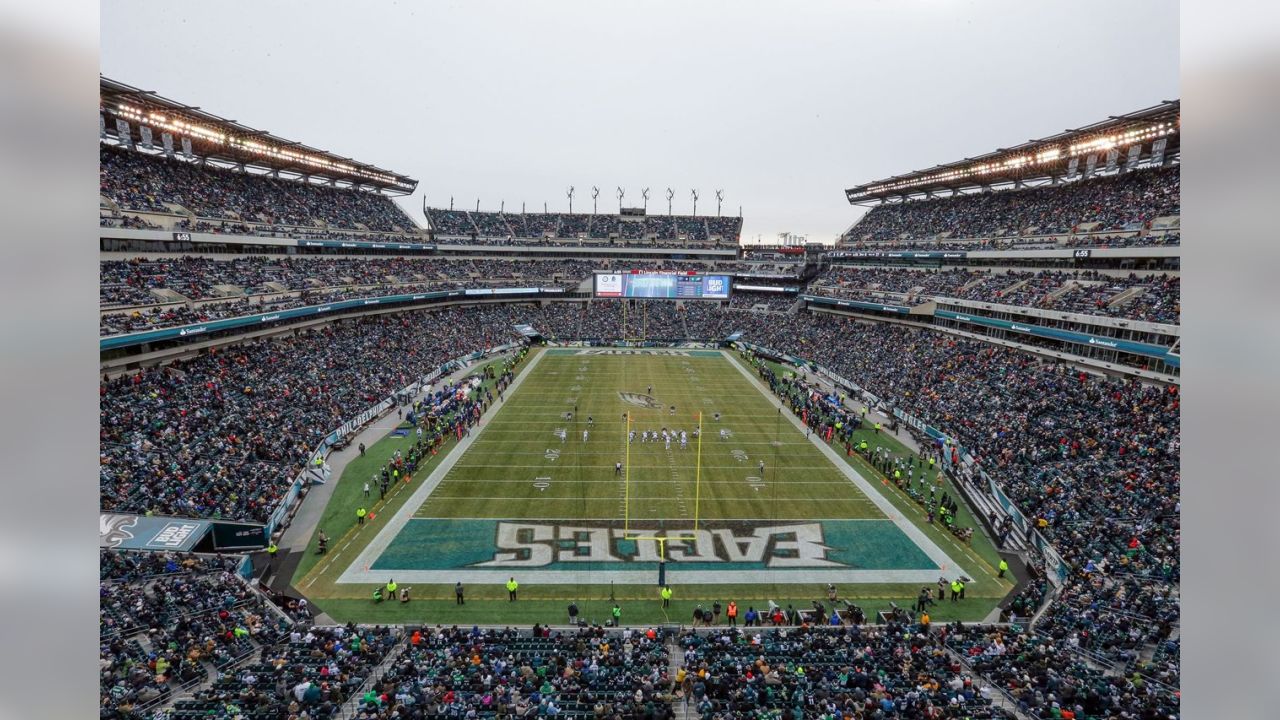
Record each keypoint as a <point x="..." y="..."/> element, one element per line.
<point x="365" y="458"/>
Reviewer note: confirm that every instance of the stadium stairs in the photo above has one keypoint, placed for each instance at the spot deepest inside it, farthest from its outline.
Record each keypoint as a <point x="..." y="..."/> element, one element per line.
<point x="1000" y="698"/>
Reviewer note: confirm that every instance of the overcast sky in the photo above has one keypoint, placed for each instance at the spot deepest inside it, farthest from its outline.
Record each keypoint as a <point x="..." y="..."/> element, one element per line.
<point x="781" y="105"/>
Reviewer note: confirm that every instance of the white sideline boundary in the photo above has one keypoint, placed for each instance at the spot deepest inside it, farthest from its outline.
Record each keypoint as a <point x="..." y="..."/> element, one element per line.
<point x="356" y="572"/>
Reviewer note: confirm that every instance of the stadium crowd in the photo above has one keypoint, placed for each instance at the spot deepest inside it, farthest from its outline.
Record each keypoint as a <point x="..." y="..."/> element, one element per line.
<point x="1157" y="298"/>
<point x="310" y="673"/>
<point x="224" y="434"/>
<point x="504" y="226"/>
<point x="1129" y="201"/>
<point x="129" y="281"/>
<point x="585" y="673"/>
<point x="165" y="619"/>
<point x="136" y="181"/>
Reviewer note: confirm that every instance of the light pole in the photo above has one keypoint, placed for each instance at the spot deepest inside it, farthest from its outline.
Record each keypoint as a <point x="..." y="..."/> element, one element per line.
<point x="694" y="194"/>
<point x="670" y="194"/>
<point x="569" y="192"/>
<point x="719" y="199"/>
<point x="621" y="193"/>
<point x="595" y="193"/>
<point x="645" y="194"/>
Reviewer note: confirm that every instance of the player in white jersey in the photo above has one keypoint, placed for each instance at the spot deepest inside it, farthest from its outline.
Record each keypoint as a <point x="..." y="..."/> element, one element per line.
<point x="631" y="437"/>
<point x="584" y="436"/>
<point x="684" y="440"/>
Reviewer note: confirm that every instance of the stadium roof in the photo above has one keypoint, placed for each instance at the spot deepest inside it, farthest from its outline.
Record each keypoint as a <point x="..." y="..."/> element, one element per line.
<point x="228" y="141"/>
<point x="1039" y="160"/>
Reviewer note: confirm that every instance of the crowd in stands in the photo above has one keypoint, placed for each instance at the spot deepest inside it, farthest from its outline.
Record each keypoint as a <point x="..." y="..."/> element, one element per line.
<point x="310" y="673"/>
<point x="224" y="434"/>
<point x="1083" y="292"/>
<point x="1129" y="201"/>
<point x="504" y="226"/>
<point x="136" y="181"/>
<point x="469" y="672"/>
<point x="166" y="620"/>
<point x="128" y="282"/>
<point x="1092" y="462"/>
<point x="773" y="302"/>
<point x="1048" y="679"/>
<point x="895" y="671"/>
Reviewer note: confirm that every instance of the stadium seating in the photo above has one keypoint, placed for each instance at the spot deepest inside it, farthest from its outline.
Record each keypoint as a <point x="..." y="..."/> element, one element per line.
<point x="1129" y="201"/>
<point x="138" y="182"/>
<point x="595" y="229"/>
<point x="224" y="434"/>
<point x="166" y="621"/>
<point x="589" y="673"/>
<point x="1153" y="298"/>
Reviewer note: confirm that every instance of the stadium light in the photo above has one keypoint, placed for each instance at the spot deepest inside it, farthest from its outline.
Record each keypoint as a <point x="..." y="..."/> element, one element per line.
<point x="595" y="193"/>
<point x="719" y="199"/>
<point x="569" y="192"/>
<point x="645" y="194"/>
<point x="621" y="192"/>
<point x="181" y="127"/>
<point x="670" y="194"/>
<point x="694" y="194"/>
<point x="1042" y="156"/>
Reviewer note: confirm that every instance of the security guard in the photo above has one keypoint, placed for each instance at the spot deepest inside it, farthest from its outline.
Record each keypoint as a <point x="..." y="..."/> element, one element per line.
<point x="877" y="428"/>
<point x="956" y="587"/>
<point x="617" y="615"/>
<point x="512" y="586"/>
<point x="391" y="588"/>
<point x="732" y="613"/>
<point x="360" y="513"/>
<point x="666" y="596"/>
<point x="1004" y="566"/>
<point x="271" y="554"/>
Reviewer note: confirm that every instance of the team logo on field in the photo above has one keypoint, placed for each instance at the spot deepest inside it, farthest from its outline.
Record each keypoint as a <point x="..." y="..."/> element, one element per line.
<point x="531" y="545"/>
<point x="640" y="399"/>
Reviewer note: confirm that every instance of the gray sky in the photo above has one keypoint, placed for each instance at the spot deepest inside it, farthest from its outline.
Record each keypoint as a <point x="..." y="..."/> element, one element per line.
<point x="783" y="105"/>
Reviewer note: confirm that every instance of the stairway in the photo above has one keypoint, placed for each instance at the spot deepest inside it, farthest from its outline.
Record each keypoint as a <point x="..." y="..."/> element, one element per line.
<point x="683" y="708"/>
<point x="351" y="708"/>
<point x="999" y="697"/>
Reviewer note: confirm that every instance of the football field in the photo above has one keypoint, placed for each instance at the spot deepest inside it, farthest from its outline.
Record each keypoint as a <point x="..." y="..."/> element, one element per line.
<point x="592" y="477"/>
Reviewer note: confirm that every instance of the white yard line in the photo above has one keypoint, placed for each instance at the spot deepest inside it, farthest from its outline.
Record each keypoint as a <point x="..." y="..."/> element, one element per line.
<point x="908" y="528"/>
<point x="405" y="513"/>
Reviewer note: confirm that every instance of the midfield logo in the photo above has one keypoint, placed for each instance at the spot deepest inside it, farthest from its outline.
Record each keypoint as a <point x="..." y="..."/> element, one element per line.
<point x="541" y="545"/>
<point x="640" y="399"/>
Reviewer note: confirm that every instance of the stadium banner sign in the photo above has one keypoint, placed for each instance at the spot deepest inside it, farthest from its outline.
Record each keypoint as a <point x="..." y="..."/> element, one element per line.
<point x="366" y="245"/>
<point x="1058" y="571"/>
<point x="141" y="532"/>
<point x="118" y="341"/>
<point x="1019" y="519"/>
<point x="766" y="287"/>
<point x="856" y="304"/>
<point x="238" y="536"/>
<point x="897" y="255"/>
<point x="1159" y="352"/>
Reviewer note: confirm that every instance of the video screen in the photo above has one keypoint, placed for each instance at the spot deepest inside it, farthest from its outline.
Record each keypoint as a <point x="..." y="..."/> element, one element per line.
<point x="662" y="286"/>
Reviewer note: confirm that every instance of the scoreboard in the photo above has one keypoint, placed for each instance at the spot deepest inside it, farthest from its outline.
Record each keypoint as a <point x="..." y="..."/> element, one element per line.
<point x="670" y="286"/>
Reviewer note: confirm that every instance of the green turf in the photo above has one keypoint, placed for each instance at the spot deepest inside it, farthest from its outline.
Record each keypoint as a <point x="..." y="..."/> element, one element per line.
<point x="517" y="468"/>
